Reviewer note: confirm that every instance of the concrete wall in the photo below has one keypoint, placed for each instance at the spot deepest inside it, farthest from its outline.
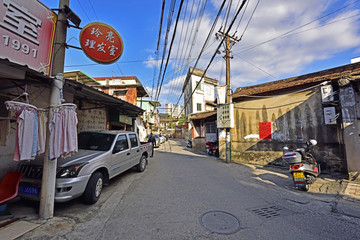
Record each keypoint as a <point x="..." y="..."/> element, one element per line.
<point x="294" y="119"/>
<point x="349" y="104"/>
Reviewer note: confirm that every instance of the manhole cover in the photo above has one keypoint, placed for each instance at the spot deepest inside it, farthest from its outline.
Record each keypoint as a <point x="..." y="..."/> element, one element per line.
<point x="220" y="222"/>
<point x="270" y="211"/>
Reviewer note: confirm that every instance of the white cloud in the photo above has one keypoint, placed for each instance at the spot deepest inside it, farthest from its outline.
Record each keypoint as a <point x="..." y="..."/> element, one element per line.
<point x="282" y="57"/>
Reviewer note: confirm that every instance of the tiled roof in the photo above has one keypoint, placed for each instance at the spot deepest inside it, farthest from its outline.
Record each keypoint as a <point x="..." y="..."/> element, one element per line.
<point x="303" y="80"/>
<point x="202" y="115"/>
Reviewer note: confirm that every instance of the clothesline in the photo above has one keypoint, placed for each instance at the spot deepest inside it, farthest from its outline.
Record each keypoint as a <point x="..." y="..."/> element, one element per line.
<point x="31" y="125"/>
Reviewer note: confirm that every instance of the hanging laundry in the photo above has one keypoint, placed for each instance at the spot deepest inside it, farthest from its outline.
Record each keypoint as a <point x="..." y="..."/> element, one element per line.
<point x="70" y="132"/>
<point x="41" y="139"/>
<point x="25" y="133"/>
<point x="63" y="132"/>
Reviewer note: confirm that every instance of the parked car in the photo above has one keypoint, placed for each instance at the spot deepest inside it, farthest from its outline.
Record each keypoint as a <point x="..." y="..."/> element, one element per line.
<point x="162" y="138"/>
<point x="101" y="156"/>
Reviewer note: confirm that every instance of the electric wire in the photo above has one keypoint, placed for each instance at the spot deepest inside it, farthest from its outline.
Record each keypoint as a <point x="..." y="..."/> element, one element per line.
<point x="84" y="11"/>
<point x="94" y="10"/>
<point x="257" y="67"/>
<point x="170" y="48"/>
<point x="205" y="44"/>
<point x="252" y="14"/>
<point x="214" y="55"/>
<point x="170" y="16"/>
<point x="178" y="57"/>
<point x="198" y="16"/>
<point x="242" y="16"/>
<point x="157" y="48"/>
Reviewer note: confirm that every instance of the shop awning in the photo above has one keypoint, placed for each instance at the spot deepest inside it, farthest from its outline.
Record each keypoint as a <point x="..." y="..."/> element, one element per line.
<point x="83" y="91"/>
<point x="16" y="75"/>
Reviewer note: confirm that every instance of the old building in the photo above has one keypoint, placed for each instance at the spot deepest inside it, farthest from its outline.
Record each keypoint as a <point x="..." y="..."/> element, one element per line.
<point x="173" y="109"/>
<point x="203" y="129"/>
<point x="127" y="88"/>
<point x="199" y="98"/>
<point x="199" y="92"/>
<point x="322" y="105"/>
<point x="149" y="115"/>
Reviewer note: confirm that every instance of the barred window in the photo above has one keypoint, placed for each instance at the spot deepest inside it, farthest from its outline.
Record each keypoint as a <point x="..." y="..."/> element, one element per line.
<point x="211" y="127"/>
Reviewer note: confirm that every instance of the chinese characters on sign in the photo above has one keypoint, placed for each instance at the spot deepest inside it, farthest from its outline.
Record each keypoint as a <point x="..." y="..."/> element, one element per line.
<point x="27" y="31"/>
<point x="225" y="116"/>
<point x="101" y="43"/>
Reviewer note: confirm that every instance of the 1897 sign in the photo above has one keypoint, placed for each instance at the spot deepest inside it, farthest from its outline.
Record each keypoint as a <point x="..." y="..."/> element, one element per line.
<point x="27" y="30"/>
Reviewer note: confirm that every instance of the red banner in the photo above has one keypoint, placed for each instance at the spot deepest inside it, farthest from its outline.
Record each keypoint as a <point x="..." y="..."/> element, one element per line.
<point x="265" y="130"/>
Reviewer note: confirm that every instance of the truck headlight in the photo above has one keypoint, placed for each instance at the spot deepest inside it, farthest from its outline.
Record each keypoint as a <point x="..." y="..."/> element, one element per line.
<point x="70" y="171"/>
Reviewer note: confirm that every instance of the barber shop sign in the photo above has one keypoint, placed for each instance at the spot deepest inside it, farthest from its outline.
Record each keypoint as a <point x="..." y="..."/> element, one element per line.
<point x="101" y="43"/>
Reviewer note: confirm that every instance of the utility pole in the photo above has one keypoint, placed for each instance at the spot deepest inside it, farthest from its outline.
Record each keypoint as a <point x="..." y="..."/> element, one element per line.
<point x="228" y="44"/>
<point x="49" y="169"/>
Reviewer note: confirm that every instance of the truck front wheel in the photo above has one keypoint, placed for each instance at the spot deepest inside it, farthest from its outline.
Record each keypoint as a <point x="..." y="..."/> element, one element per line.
<point x="93" y="188"/>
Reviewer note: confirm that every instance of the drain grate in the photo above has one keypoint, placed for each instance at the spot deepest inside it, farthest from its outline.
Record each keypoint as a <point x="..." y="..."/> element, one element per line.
<point x="220" y="222"/>
<point x="269" y="211"/>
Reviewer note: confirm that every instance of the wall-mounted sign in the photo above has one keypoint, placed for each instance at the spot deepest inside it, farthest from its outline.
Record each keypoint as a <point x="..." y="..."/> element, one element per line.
<point x="27" y="30"/>
<point x="225" y="116"/>
<point x="101" y="43"/>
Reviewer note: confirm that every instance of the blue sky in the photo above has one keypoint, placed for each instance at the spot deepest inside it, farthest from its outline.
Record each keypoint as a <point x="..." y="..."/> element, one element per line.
<point x="321" y="34"/>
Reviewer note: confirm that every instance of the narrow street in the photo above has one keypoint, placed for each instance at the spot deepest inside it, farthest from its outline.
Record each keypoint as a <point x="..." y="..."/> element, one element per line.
<point x="184" y="195"/>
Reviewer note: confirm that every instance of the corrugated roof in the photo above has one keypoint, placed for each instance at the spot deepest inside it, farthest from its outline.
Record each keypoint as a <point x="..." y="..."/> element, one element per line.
<point x="293" y="82"/>
<point x="81" y="77"/>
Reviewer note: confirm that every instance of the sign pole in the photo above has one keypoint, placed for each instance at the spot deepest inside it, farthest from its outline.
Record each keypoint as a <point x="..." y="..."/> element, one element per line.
<point x="49" y="169"/>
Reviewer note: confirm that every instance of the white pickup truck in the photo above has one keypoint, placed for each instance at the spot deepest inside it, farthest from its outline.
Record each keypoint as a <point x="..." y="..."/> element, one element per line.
<point x="102" y="155"/>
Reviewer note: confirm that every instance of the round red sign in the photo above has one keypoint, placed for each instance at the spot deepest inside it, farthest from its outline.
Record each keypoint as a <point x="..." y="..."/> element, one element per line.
<point x="101" y="43"/>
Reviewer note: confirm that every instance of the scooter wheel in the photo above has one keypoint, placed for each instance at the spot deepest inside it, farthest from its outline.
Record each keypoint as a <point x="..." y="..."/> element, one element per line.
<point x="305" y="188"/>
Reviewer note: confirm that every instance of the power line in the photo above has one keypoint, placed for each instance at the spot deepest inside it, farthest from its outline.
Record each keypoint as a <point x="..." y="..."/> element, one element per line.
<point x="189" y="38"/>
<point x="94" y="10"/>
<point x="214" y="55"/>
<point x="252" y="14"/>
<point x="206" y="43"/>
<point x="157" y="48"/>
<point x="84" y="10"/>
<point x="171" y="11"/>
<point x="170" y="48"/>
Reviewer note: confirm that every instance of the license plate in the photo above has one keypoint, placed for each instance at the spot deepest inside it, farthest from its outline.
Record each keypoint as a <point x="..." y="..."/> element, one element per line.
<point x="298" y="175"/>
<point x="28" y="190"/>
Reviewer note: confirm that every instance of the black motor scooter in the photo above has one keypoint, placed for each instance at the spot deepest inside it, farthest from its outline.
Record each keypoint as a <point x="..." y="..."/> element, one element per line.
<point x="303" y="166"/>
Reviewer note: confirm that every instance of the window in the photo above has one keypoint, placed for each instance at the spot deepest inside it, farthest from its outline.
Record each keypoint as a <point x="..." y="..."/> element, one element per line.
<point x="95" y="141"/>
<point x="133" y="140"/>
<point x="198" y="107"/>
<point x="211" y="127"/>
<point x="122" y="143"/>
<point x="198" y="85"/>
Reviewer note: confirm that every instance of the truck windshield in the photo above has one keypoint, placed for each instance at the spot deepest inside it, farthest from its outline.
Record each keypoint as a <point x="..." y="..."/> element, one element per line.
<point x="95" y="141"/>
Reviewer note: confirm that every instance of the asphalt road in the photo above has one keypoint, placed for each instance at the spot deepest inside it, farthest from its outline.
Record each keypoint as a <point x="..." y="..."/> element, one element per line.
<point x="184" y="195"/>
